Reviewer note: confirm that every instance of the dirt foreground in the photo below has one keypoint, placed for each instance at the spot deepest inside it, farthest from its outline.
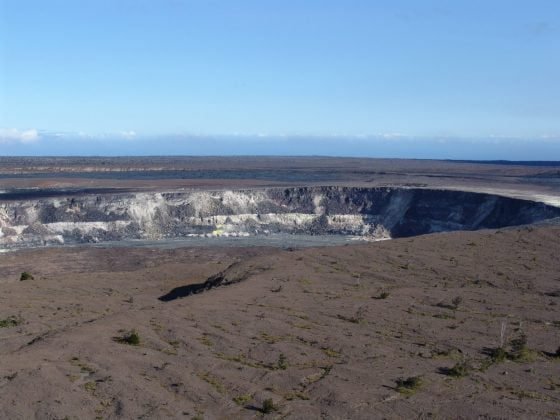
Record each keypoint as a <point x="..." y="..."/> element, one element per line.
<point x="406" y="328"/>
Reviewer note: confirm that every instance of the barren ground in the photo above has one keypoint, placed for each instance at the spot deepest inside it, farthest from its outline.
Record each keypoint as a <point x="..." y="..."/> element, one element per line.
<point x="541" y="182"/>
<point x="323" y="332"/>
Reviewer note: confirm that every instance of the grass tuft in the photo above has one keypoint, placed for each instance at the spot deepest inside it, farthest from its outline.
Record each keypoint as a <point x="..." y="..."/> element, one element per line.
<point x="269" y="406"/>
<point x="459" y="370"/>
<point x="132" y="338"/>
<point x="25" y="276"/>
<point x="9" y="322"/>
<point x="409" y="385"/>
<point x="282" y="362"/>
<point x="243" y="400"/>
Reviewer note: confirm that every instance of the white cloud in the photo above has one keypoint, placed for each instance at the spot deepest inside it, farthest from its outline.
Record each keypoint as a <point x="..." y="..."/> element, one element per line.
<point x="550" y="137"/>
<point x="99" y="136"/>
<point x="8" y="135"/>
<point x="128" y="134"/>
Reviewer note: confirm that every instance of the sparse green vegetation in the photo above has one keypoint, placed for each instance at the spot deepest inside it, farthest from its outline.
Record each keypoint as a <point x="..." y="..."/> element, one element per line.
<point x="351" y="319"/>
<point x="84" y="368"/>
<point x="174" y="343"/>
<point x="269" y="406"/>
<point x="270" y="339"/>
<point x="454" y="305"/>
<point x="459" y="370"/>
<point x="302" y="325"/>
<point x="132" y="338"/>
<point x="9" y="322"/>
<point x="311" y="379"/>
<point x="219" y="327"/>
<point x="242" y="400"/>
<point x="205" y="340"/>
<point x="443" y="316"/>
<point x="498" y="355"/>
<point x="330" y="352"/>
<point x="409" y="385"/>
<point x="443" y="353"/>
<point x="358" y="316"/>
<point x="282" y="362"/>
<point x="216" y="384"/>
<point x="296" y="394"/>
<point x="456" y="302"/>
<point x="519" y="350"/>
<point x="90" y="386"/>
<point x="25" y="276"/>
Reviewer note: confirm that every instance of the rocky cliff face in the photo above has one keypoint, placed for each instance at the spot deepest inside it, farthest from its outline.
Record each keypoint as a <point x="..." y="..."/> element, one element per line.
<point x="377" y="213"/>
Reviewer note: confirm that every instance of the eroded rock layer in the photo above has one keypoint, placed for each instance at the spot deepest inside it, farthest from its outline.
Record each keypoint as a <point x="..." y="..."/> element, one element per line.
<point x="374" y="213"/>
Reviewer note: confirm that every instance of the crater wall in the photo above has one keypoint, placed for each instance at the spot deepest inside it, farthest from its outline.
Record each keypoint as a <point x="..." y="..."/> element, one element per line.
<point x="371" y="213"/>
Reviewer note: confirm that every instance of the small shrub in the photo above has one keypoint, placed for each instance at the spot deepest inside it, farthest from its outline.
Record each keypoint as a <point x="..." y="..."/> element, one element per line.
<point x="25" y="276"/>
<point x="90" y="386"/>
<point x="282" y="362"/>
<point x="131" y="338"/>
<point x="242" y="400"/>
<point x="460" y="370"/>
<point x="269" y="406"/>
<point x="456" y="302"/>
<point x="382" y="295"/>
<point x="408" y="385"/>
<point x="519" y="350"/>
<point x="498" y="355"/>
<point x="9" y="322"/>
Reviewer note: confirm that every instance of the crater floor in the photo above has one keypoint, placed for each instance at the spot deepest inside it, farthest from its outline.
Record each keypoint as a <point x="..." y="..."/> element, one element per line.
<point x="323" y="332"/>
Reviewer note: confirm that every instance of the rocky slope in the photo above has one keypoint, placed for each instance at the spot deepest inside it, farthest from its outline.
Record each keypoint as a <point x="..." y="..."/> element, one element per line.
<point x="376" y="213"/>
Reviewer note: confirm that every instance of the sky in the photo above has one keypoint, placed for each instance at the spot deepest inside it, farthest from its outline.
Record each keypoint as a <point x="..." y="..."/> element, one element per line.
<point x="464" y="79"/>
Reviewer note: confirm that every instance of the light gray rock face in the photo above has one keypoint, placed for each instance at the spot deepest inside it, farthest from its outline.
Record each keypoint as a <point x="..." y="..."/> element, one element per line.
<point x="374" y="213"/>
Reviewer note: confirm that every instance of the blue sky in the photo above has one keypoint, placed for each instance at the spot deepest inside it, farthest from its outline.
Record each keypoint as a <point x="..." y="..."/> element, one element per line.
<point x="406" y="78"/>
